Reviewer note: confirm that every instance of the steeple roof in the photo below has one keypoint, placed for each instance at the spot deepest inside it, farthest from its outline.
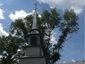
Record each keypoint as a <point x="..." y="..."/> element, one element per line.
<point x="34" y="24"/>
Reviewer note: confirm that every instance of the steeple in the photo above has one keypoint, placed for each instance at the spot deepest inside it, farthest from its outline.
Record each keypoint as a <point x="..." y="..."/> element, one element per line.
<point x="34" y="24"/>
<point x="33" y="53"/>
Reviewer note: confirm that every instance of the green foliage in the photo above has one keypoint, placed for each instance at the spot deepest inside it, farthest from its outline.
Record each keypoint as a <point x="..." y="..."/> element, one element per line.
<point x="54" y="57"/>
<point x="67" y="26"/>
<point x="55" y="18"/>
<point x="70" y="19"/>
<point x="7" y="61"/>
<point x="9" y="44"/>
<point x="52" y="18"/>
<point x="28" y="22"/>
<point x="19" y="25"/>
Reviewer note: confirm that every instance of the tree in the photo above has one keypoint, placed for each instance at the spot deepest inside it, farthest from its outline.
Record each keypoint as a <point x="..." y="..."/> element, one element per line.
<point x="49" y="20"/>
<point x="9" y="46"/>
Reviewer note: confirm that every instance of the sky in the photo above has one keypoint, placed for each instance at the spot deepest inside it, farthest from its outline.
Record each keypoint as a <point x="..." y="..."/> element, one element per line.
<point x="14" y="9"/>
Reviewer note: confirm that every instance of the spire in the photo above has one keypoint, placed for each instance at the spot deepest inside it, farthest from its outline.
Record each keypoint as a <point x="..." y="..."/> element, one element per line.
<point x="34" y="25"/>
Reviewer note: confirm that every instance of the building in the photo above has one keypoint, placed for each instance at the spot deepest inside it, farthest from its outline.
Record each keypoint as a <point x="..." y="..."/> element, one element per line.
<point x="33" y="53"/>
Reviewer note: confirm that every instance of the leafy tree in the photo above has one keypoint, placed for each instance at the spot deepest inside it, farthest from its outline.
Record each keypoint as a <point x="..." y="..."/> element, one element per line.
<point x="49" y="20"/>
<point x="68" y="26"/>
<point x="9" y="46"/>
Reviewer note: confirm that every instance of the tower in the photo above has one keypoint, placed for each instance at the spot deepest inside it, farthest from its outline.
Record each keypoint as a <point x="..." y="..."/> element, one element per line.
<point x="33" y="53"/>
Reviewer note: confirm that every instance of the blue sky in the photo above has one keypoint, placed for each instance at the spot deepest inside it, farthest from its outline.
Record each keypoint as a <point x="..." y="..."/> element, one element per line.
<point x="12" y="9"/>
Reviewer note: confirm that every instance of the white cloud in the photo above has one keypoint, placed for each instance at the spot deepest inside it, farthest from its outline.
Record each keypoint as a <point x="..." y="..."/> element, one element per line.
<point x="1" y="57"/>
<point x="53" y="40"/>
<point x="73" y="60"/>
<point x="77" y="5"/>
<point x="64" y="61"/>
<point x="2" y="14"/>
<point x="2" y="31"/>
<point x="77" y="10"/>
<point x="18" y="15"/>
